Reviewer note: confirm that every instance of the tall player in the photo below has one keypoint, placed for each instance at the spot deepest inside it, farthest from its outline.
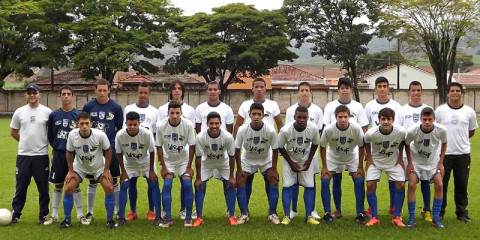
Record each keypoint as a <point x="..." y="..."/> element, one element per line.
<point x="343" y="137"/>
<point x="297" y="142"/>
<point x="256" y="141"/>
<point x="107" y="116"/>
<point x="384" y="147"/>
<point x="315" y="115"/>
<point x="136" y="156"/>
<point x="148" y="120"/>
<point x="214" y="151"/>
<point x="86" y="145"/>
<point x="424" y="161"/>
<point x="407" y="116"/>
<point x="60" y="123"/>
<point x="175" y="135"/>
<point x="213" y="104"/>
<point x="372" y="109"/>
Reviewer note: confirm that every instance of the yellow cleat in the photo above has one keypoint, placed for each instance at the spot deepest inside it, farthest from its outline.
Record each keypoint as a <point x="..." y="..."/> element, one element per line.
<point x="312" y="220"/>
<point x="427" y="215"/>
<point x="286" y="220"/>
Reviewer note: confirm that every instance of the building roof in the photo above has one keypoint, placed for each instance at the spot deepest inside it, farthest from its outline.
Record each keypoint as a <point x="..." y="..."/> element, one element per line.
<point x="72" y="77"/>
<point x="391" y="67"/>
<point x="467" y="78"/>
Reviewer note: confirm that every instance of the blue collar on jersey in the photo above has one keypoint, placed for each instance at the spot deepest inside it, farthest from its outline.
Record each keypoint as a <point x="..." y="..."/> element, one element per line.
<point x="344" y="103"/>
<point x="433" y="128"/>
<point x="453" y="107"/>
<point x="90" y="134"/>
<point x="219" y="132"/>
<point x="421" y="104"/>
<point x="381" y="102"/>
<point x="219" y="102"/>
<point x="263" y="124"/>
<point x="336" y="124"/>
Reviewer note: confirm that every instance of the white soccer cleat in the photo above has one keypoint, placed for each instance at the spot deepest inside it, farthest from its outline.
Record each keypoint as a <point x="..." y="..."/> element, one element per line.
<point x="315" y="215"/>
<point x="242" y="219"/>
<point x="273" y="218"/>
<point x="293" y="214"/>
<point x="194" y="215"/>
<point x="50" y="221"/>
<point x="182" y="214"/>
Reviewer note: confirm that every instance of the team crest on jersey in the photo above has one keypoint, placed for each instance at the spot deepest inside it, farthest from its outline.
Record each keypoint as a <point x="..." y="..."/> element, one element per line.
<point x="343" y="140"/>
<point x="386" y="144"/>
<point x="142" y="118"/>
<point x="256" y="140"/>
<point x="32" y="119"/>
<point x="110" y="116"/>
<point x="267" y="114"/>
<point x="101" y="115"/>
<point x="58" y="122"/>
<point x="65" y="123"/>
<point x="426" y="142"/>
<point x="133" y="146"/>
<point x="85" y="148"/>
<point x="299" y="140"/>
<point x="416" y="117"/>
<point x="454" y="119"/>
<point x="93" y="114"/>
<point x="174" y="137"/>
<point x="214" y="147"/>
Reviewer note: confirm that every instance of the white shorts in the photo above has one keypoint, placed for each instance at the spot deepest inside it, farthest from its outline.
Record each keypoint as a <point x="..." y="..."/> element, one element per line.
<point x="252" y="168"/>
<point x="395" y="173"/>
<point x="221" y="172"/>
<point x="425" y="172"/>
<point x="304" y="178"/>
<point x="176" y="169"/>
<point x="88" y="175"/>
<point x="339" y="166"/>
<point x="136" y="171"/>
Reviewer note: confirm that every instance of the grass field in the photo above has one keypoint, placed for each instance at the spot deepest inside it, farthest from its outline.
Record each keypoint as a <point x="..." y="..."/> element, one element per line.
<point x="214" y="213"/>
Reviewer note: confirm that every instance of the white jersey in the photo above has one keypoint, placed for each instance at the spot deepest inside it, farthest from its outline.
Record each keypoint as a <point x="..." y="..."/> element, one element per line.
<point x="88" y="150"/>
<point x="32" y="126"/>
<point x="425" y="146"/>
<point x="373" y="108"/>
<point x="135" y="149"/>
<point x="215" y="151"/>
<point x="271" y="110"/>
<point x="187" y="112"/>
<point x="223" y="109"/>
<point x="297" y="143"/>
<point x="175" y="140"/>
<point x="342" y="144"/>
<point x="148" y="115"/>
<point x="409" y="115"/>
<point x="384" y="147"/>
<point x="357" y="113"/>
<point x="256" y="145"/>
<point x="458" y="121"/>
<point x="315" y="114"/>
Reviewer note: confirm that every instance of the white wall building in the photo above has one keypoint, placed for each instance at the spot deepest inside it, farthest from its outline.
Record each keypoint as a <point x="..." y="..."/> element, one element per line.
<point x="407" y="74"/>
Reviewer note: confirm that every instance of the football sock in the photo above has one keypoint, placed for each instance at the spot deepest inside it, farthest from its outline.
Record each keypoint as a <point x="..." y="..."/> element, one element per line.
<point x="391" y="188"/>
<point x="56" y="197"/>
<point x="272" y="199"/>
<point x="110" y="205"/>
<point x="77" y="198"/>
<point x="359" y="189"/>
<point x="133" y="193"/>
<point x="230" y="199"/>
<point x="425" y="186"/>
<point x="372" y="202"/>
<point x="91" y="193"/>
<point x="182" y="194"/>
<point x="314" y="194"/>
<point x="286" y="199"/>
<point x="294" y="195"/>
<point x="123" y="198"/>
<point x="68" y="205"/>
<point x="167" y="197"/>
<point x="325" y="192"/>
<point x="248" y="187"/>
<point x="308" y="196"/>
<point x="242" y="199"/>
<point x="151" y="207"/>
<point x="188" y="192"/>
<point x="156" y="197"/>
<point x="411" y="209"/>
<point x="337" y="192"/>
<point x="199" y="197"/>
<point x="116" y="193"/>
<point x="437" y="206"/>
<point x="399" y="198"/>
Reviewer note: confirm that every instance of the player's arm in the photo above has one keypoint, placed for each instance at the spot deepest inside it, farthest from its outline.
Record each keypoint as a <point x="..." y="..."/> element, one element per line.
<point x="191" y="153"/>
<point x="15" y="134"/>
<point x="278" y="121"/>
<point x="409" y="159"/>
<point x="361" y="155"/>
<point x="323" y="155"/>
<point x="238" y="123"/>
<point x="313" y="150"/>
<point x="400" y="153"/>
<point x="368" y="152"/>
<point x="238" y="160"/>
<point x="69" y="156"/>
<point x="443" y="150"/>
<point x="229" y="128"/>
<point x="151" y="172"/>
<point x="274" y="159"/>
<point x="231" y="180"/>
<point x="161" y="161"/>
<point x="106" y="169"/>
<point x="123" y="174"/>
<point x="50" y="134"/>
<point x="293" y="165"/>
<point x="198" y="127"/>
<point x="471" y="133"/>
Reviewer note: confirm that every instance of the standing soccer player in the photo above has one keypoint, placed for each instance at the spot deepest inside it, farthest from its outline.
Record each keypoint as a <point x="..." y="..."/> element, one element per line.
<point x="148" y="120"/>
<point x="29" y="128"/>
<point x="315" y="115"/>
<point x="60" y="123"/>
<point x="424" y="161"/>
<point x="107" y="116"/>
<point x="214" y="151"/>
<point x="88" y="146"/>
<point x="297" y="142"/>
<point x="256" y="141"/>
<point x="213" y="105"/>
<point x="384" y="147"/>
<point x="343" y="138"/>
<point x="461" y="122"/>
<point x="175" y="147"/>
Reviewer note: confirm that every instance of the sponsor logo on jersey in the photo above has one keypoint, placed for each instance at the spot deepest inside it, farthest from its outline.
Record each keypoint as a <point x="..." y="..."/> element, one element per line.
<point x="214" y="147"/>
<point x="142" y="118"/>
<point x="426" y="142"/>
<point x="93" y="114"/>
<point x="133" y="146"/>
<point x="110" y="116"/>
<point x="299" y="140"/>
<point x="73" y="124"/>
<point x="65" y="123"/>
<point x="343" y="140"/>
<point x="58" y="122"/>
<point x="386" y="144"/>
<point x="416" y="117"/>
<point x="174" y="137"/>
<point x="101" y="115"/>
<point x="32" y="119"/>
<point x="256" y="140"/>
<point x="85" y="148"/>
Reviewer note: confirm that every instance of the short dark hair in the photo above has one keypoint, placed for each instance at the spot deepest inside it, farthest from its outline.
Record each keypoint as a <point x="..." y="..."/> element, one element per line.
<point x="172" y="85"/>
<point x="427" y="111"/>
<point x="301" y="109"/>
<point x="386" y="112"/>
<point x="344" y="81"/>
<point x="174" y="104"/>
<point x="455" y="84"/>
<point x="102" y="82"/>
<point x="213" y="83"/>
<point x="303" y="84"/>
<point x="414" y="83"/>
<point x="66" y="87"/>
<point x="258" y="79"/>
<point x="381" y="80"/>
<point x="257" y="106"/>
<point x="84" y="115"/>
<point x="213" y="115"/>
<point x="342" y="108"/>
<point x="145" y="85"/>
<point x="132" y="116"/>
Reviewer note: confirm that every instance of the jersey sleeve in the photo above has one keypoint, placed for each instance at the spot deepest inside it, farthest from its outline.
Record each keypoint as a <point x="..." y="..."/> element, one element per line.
<point x="324" y="137"/>
<point x="191" y="137"/>
<point x="410" y="135"/>
<point x="282" y="139"/>
<point x="151" y="145"/>
<point x="70" y="144"/>
<point x="231" y="146"/>
<point x="239" y="138"/>
<point x="443" y="136"/>
<point x="158" y="137"/>
<point x="367" y="138"/>
<point x="153" y="124"/>
<point x="118" y="117"/>
<point x="242" y="112"/>
<point x="273" y="139"/>
<point x="360" y="137"/>
<point x="104" y="142"/>
<point x="15" y="123"/>
<point x="319" y="121"/>
<point x="472" y="121"/>
<point x="327" y="117"/>
<point x="362" y="118"/>
<point x="276" y="109"/>
<point x="125" y="111"/>
<point x="399" y="117"/>
<point x="198" y="147"/>
<point x="198" y="115"/>
<point x="87" y="107"/>
<point x="289" y="115"/>
<point x="316" y="137"/>
<point x="229" y="117"/>
<point x="368" y="114"/>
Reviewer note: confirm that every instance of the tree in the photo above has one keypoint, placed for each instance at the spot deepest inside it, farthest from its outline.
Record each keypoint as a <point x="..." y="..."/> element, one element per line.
<point x="335" y="28"/>
<point x="111" y="36"/>
<point x="372" y="62"/>
<point x="435" y="27"/>
<point x="235" y="39"/>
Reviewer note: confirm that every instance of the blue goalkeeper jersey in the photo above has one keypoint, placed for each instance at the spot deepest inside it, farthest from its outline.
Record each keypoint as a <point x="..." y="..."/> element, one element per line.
<point x="60" y="123"/>
<point x="106" y="117"/>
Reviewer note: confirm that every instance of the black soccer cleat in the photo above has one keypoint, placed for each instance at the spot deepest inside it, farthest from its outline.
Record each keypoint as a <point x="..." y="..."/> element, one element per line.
<point x="65" y="224"/>
<point x="360" y="219"/>
<point x="111" y="224"/>
<point x="327" y="218"/>
<point x="121" y="222"/>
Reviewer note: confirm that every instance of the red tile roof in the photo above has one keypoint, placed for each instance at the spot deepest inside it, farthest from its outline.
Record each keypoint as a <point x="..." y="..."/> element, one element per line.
<point x="467" y="78"/>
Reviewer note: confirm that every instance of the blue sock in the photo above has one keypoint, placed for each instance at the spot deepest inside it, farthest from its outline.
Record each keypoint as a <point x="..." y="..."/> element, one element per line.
<point x="326" y="197"/>
<point x="411" y="209"/>
<point x="286" y="199"/>
<point x="272" y="199"/>
<point x="399" y="198"/>
<point x="337" y="192"/>
<point x="110" y="205"/>
<point x="372" y="202"/>
<point x="359" y="189"/>
<point x="308" y="196"/>
<point x="391" y="189"/>
<point x="182" y="195"/>
<point x="123" y="198"/>
<point x="188" y="197"/>
<point x="167" y="198"/>
<point x="242" y="199"/>
<point x="248" y="187"/>
<point x="425" y="186"/>
<point x="294" y="195"/>
<point x="230" y="199"/>
<point x="314" y="194"/>
<point x="437" y="206"/>
<point x="156" y="197"/>
<point x="199" y="197"/>
<point x="151" y="206"/>
<point x="132" y="193"/>
<point x="67" y="206"/>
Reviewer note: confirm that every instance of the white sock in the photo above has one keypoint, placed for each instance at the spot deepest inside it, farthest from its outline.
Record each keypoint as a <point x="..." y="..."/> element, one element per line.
<point x="91" y="193"/>
<point x="56" y="198"/>
<point x="116" y="191"/>
<point x="77" y="198"/>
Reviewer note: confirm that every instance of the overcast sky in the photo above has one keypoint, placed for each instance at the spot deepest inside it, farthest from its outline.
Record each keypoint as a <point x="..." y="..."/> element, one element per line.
<point x="191" y="7"/>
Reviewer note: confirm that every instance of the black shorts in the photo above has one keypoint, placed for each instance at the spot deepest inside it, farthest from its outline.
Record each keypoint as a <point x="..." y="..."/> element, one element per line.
<point x="114" y="167"/>
<point x="59" y="167"/>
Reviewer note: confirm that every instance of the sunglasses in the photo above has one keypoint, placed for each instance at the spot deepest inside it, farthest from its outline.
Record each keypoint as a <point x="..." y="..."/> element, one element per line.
<point x="32" y="93"/>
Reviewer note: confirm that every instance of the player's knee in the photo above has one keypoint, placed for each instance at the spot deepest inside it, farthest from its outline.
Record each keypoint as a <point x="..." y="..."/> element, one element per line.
<point x="400" y="185"/>
<point x="70" y="188"/>
<point x="438" y="186"/>
<point x="272" y="178"/>
<point x="371" y="185"/>
<point x="412" y="185"/>
<point x="108" y="188"/>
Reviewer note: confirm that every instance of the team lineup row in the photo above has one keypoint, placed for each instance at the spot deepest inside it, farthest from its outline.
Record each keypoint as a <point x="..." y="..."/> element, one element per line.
<point x="254" y="146"/>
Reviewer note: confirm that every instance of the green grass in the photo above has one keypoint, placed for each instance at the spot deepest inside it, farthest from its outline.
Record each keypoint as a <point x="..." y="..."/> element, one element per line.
<point x="214" y="213"/>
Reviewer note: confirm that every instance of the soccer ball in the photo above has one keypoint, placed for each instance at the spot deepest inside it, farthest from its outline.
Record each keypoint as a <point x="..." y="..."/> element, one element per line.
<point x="5" y="217"/>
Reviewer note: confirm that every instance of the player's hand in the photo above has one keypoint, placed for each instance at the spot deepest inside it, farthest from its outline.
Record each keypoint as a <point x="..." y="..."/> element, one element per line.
<point x="231" y="181"/>
<point x="69" y="177"/>
<point x="295" y="167"/>
<point x="152" y="176"/>
<point x="410" y="169"/>
<point x="306" y="165"/>
<point x="198" y="183"/>
<point x="108" y="176"/>
<point x="123" y="176"/>
<point x="361" y="172"/>
<point x="189" y="171"/>
<point x="325" y="172"/>
<point x="440" y="169"/>
<point x="164" y="172"/>
<point x="369" y="163"/>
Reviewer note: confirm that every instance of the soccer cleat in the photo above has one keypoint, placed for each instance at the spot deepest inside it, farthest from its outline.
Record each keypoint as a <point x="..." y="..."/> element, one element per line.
<point x="65" y="224"/>
<point x="163" y="214"/>
<point x="50" y="221"/>
<point x="242" y="219"/>
<point x="360" y="219"/>
<point x="158" y="222"/>
<point x="293" y="214"/>
<point x="121" y="222"/>
<point x="286" y="220"/>
<point x="89" y="217"/>
<point x="150" y="216"/>
<point x="327" y="218"/>
<point x="131" y="216"/>
<point x="84" y="221"/>
<point x="391" y="210"/>
<point x="437" y="224"/>
<point x="194" y="215"/>
<point x="198" y="222"/>
<point x="232" y="221"/>
<point x="312" y="220"/>
<point x="337" y="214"/>
<point x="372" y="221"/>
<point x="273" y="218"/>
<point x="367" y="213"/>
<point x="187" y="223"/>
<point x="167" y="223"/>
<point x="111" y="224"/>
<point x="398" y="222"/>
<point x="465" y="219"/>
<point x="41" y="220"/>
<point x="315" y="215"/>
<point x="411" y="223"/>
<point x="427" y="215"/>
<point x="182" y="214"/>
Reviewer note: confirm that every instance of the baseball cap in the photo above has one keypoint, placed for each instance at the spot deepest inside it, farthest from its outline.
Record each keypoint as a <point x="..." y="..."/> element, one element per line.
<point x="33" y="86"/>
